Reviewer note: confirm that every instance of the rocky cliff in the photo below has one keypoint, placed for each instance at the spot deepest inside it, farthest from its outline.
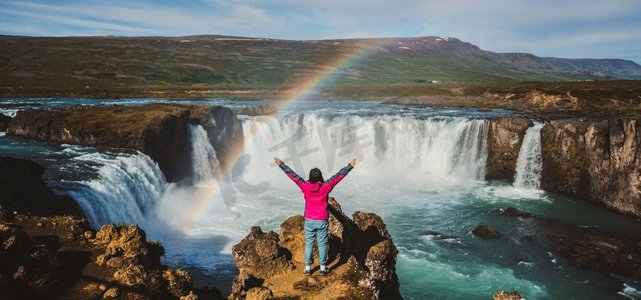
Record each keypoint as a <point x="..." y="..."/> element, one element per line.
<point x="23" y="190"/>
<point x="161" y="131"/>
<point x="599" y="161"/>
<point x="594" y="160"/>
<point x="362" y="260"/>
<point x="504" y="142"/>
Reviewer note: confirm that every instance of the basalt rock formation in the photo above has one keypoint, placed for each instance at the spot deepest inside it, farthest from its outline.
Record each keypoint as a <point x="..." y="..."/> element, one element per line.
<point x="161" y="131"/>
<point x="362" y="260"/>
<point x="4" y="122"/>
<point x="505" y="138"/>
<point x="594" y="160"/>
<point x="23" y="190"/>
<point x="598" y="161"/>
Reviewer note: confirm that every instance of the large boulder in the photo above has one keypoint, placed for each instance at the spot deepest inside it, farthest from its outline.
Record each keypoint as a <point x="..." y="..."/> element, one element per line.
<point x="361" y="251"/>
<point x="161" y="131"/>
<point x="598" y="161"/>
<point x="504" y="143"/>
<point x="260" y="255"/>
<point x="22" y="189"/>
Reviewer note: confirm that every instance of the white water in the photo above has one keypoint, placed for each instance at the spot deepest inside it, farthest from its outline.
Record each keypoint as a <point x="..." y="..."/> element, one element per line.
<point x="126" y="187"/>
<point x="203" y="155"/>
<point x="529" y="164"/>
<point x="422" y="150"/>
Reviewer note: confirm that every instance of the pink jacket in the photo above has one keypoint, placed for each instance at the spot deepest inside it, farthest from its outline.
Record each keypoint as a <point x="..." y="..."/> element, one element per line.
<point x="316" y="193"/>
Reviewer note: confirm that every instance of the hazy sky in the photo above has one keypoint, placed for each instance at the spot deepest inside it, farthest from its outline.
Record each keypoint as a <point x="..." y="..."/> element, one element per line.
<point x="571" y="28"/>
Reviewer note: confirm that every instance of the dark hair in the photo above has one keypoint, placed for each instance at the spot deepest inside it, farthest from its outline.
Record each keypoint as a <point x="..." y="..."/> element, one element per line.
<point x="315" y="175"/>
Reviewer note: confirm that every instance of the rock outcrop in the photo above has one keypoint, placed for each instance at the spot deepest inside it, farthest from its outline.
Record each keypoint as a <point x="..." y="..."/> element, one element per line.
<point x="4" y="122"/>
<point x="505" y="138"/>
<point x="362" y="260"/>
<point x="60" y="257"/>
<point x="599" y="161"/>
<point x="486" y="232"/>
<point x="135" y="262"/>
<point x="503" y="295"/>
<point x="611" y="254"/>
<point x="23" y="190"/>
<point x="161" y="131"/>
<point x="602" y="252"/>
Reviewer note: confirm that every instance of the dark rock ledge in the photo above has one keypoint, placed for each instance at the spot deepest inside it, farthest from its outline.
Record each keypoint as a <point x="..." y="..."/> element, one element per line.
<point x="158" y="130"/>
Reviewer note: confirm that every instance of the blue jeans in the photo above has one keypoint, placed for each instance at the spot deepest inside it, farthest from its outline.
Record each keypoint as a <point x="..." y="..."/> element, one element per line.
<point x="316" y="229"/>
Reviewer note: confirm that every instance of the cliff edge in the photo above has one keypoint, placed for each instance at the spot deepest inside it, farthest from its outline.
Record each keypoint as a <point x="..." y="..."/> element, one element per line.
<point x="161" y="131"/>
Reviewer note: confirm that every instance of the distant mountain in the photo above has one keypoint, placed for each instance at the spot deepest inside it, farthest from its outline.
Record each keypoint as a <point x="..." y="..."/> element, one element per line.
<point x="608" y="67"/>
<point x="225" y="61"/>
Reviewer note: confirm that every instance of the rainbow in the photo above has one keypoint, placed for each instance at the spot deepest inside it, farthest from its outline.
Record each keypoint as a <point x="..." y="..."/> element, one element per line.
<point x="302" y="89"/>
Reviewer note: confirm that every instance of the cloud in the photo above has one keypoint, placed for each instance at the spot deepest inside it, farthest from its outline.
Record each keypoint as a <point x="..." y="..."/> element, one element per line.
<point x="570" y="28"/>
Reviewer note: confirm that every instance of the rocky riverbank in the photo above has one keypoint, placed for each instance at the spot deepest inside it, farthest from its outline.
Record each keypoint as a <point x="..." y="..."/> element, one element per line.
<point x="161" y="131"/>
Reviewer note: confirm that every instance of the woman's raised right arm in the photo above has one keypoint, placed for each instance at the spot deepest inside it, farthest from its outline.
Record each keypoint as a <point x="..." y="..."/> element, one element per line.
<point x="290" y="173"/>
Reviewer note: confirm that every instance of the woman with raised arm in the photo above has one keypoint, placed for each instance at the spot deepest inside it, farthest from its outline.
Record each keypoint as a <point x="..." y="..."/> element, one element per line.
<point x="315" y="191"/>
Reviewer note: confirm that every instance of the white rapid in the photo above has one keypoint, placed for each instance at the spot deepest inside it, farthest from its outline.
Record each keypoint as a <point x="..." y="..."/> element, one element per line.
<point x="389" y="146"/>
<point x="203" y="155"/>
<point x="127" y="185"/>
<point x="529" y="164"/>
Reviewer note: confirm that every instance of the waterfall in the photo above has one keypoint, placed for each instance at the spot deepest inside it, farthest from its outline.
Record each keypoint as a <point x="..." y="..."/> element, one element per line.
<point x="127" y="186"/>
<point x="203" y="155"/>
<point x="529" y="164"/>
<point x="424" y="150"/>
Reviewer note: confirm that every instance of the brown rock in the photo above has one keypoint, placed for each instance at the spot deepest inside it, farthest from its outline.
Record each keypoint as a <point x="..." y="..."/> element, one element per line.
<point x="598" y="161"/>
<point x="502" y="295"/>
<point x="190" y="296"/>
<point x="260" y="254"/>
<point x="504" y="143"/>
<point x="88" y="234"/>
<point x="292" y="237"/>
<point x="132" y="275"/>
<point x="259" y="293"/>
<point x="363" y="247"/>
<point x="486" y="231"/>
<point x="113" y="292"/>
<point x="513" y="212"/>
<point x="179" y="282"/>
<point x="601" y="252"/>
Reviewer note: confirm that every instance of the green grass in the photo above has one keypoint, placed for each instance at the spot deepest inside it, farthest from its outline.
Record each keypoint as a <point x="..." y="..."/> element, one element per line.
<point x="207" y="62"/>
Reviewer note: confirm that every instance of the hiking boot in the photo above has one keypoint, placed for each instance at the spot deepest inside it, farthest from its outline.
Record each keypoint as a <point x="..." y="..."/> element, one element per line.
<point x="307" y="272"/>
<point x="324" y="272"/>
